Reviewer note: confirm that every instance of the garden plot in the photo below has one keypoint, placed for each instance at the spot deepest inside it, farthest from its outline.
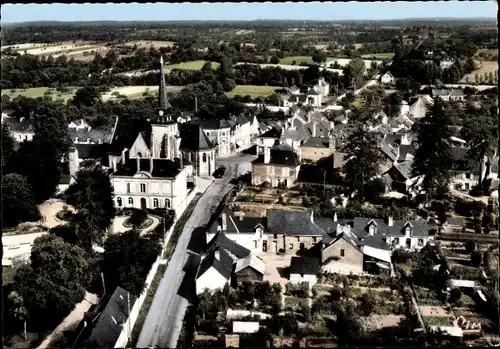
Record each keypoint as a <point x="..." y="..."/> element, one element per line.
<point x="192" y="65"/>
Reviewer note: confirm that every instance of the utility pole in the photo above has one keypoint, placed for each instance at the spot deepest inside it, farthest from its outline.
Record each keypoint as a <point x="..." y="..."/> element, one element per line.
<point x="103" y="284"/>
<point x="324" y="182"/>
<point x="128" y="307"/>
<point x="195" y="104"/>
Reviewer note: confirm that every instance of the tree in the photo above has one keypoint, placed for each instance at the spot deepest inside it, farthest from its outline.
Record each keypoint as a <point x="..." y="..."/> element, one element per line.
<point x="18" y="203"/>
<point x="18" y="310"/>
<point x="127" y="259"/>
<point x="92" y="197"/>
<point x="54" y="281"/>
<point x="481" y="133"/>
<point x="368" y="303"/>
<point x="86" y="96"/>
<point x="8" y="151"/>
<point x="319" y="57"/>
<point x="363" y="164"/>
<point x="433" y="159"/>
<point x="470" y="246"/>
<point x="475" y="258"/>
<point x="137" y="218"/>
<point x="455" y="295"/>
<point x="357" y="67"/>
<point x="274" y="60"/>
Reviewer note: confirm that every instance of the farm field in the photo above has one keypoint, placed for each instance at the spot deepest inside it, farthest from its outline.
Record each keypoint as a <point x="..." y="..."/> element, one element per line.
<point x="384" y="55"/>
<point x="252" y="91"/>
<point x="289" y="67"/>
<point x="65" y="47"/>
<point x="342" y="61"/>
<point x="18" y="47"/>
<point x="39" y="92"/>
<point x="486" y="67"/>
<point x="145" y="43"/>
<point x="297" y="59"/>
<point x="345" y="61"/>
<point x="193" y="65"/>
<point x="136" y="92"/>
<point x="92" y="50"/>
<point x="486" y="55"/>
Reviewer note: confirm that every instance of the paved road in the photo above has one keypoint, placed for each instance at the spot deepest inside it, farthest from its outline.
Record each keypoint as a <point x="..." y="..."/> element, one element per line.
<point x="164" y="320"/>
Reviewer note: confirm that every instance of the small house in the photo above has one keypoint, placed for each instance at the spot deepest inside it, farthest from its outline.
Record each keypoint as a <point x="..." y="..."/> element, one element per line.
<point x="387" y="78"/>
<point x="304" y="269"/>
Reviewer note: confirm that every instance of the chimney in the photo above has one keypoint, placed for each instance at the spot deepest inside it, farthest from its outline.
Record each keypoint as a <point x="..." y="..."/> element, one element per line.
<point x="151" y="163"/>
<point x="313" y="130"/>
<point x="390" y="221"/>
<point x="224" y="222"/>
<point x="217" y="255"/>
<point x="73" y="161"/>
<point x="267" y="155"/>
<point x="331" y="142"/>
<point x="124" y="155"/>
<point x="312" y="217"/>
<point x="138" y="164"/>
<point x="405" y="139"/>
<point x="335" y="217"/>
<point x="240" y="216"/>
<point x="115" y="167"/>
<point x="332" y="125"/>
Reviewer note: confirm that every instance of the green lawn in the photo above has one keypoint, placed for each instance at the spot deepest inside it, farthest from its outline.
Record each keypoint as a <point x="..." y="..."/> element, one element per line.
<point x="252" y="91"/>
<point x="438" y="320"/>
<point x="297" y="59"/>
<point x="384" y="55"/>
<point x="193" y="65"/>
<point x="39" y="92"/>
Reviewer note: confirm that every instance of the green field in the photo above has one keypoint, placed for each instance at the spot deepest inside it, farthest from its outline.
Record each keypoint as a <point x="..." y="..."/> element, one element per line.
<point x="252" y="91"/>
<point x="384" y="55"/>
<point x="297" y="59"/>
<point x="39" y="92"/>
<point x="193" y="65"/>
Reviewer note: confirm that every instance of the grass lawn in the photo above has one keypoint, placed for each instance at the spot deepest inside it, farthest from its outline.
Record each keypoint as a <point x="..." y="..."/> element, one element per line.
<point x="193" y="65"/>
<point x="438" y="320"/>
<point x="8" y="274"/>
<point x="252" y="90"/>
<point x="39" y="92"/>
<point x="297" y="59"/>
<point x="383" y="55"/>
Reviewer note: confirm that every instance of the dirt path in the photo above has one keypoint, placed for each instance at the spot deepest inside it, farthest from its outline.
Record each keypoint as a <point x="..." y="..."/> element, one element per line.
<point x="74" y="317"/>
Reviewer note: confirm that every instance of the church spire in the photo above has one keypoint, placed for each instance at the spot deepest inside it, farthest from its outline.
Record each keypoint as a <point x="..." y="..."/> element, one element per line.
<point x="163" y="103"/>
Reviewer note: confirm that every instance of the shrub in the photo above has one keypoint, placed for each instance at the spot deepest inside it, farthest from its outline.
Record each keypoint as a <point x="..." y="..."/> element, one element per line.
<point x="138" y="217"/>
<point x="455" y="295"/>
<point x="475" y="258"/>
<point x="470" y="246"/>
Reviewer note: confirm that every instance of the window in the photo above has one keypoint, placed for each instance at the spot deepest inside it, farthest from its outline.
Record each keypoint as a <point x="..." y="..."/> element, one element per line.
<point x="155" y="203"/>
<point x="372" y="230"/>
<point x="342" y="253"/>
<point x="298" y="238"/>
<point x="204" y="157"/>
<point x="270" y="170"/>
<point x="139" y="155"/>
<point x="143" y="188"/>
<point x="468" y="175"/>
<point x="396" y="241"/>
<point x="167" y="203"/>
<point x="286" y="172"/>
<point x="420" y="242"/>
<point x="119" y="202"/>
<point x="407" y="231"/>
<point x="255" y="244"/>
<point x="314" y="239"/>
<point x="208" y="134"/>
<point x="223" y="133"/>
<point x="130" y="201"/>
<point x="290" y="246"/>
<point x="128" y="187"/>
<point x="275" y="236"/>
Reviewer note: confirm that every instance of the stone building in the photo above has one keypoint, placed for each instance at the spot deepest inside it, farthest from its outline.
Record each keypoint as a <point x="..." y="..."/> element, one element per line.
<point x="278" y="166"/>
<point x="196" y="148"/>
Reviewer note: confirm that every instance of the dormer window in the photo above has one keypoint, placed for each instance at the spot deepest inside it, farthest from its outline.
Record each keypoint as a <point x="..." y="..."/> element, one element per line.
<point x="372" y="230"/>
<point x="407" y="231"/>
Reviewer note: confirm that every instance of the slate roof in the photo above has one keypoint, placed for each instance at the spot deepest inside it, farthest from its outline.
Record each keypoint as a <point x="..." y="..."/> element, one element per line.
<point x="360" y="227"/>
<point x="292" y="223"/>
<point x="24" y="125"/>
<point x="461" y="161"/>
<point x="404" y="168"/>
<point x="193" y="138"/>
<point x="346" y="235"/>
<point x="375" y="241"/>
<point x="304" y="265"/>
<point x="92" y="151"/>
<point x="280" y="157"/>
<point x="271" y="133"/>
<point x="162" y="168"/>
<point x="126" y="133"/>
<point x="95" y="135"/>
<point x="224" y="265"/>
<point x="316" y="142"/>
<point x="251" y="261"/>
<point x="212" y="124"/>
<point x="298" y="98"/>
<point x="450" y="92"/>
<point x="221" y="241"/>
<point x="246" y="225"/>
<point x="312" y="92"/>
<point x="106" y="331"/>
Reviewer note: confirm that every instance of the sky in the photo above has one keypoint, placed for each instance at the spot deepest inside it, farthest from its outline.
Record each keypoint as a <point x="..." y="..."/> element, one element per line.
<point x="15" y="13"/>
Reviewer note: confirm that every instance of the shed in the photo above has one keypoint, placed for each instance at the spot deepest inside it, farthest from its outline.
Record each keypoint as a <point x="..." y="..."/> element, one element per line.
<point x="304" y="269"/>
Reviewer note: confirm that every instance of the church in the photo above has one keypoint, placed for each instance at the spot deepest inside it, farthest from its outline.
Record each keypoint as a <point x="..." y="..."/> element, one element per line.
<point x="153" y="163"/>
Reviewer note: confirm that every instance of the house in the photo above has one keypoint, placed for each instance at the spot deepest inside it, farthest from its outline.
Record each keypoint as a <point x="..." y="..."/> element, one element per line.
<point x="246" y="326"/>
<point x="249" y="269"/>
<point x="112" y="327"/>
<point x="340" y="252"/>
<point x="217" y="263"/>
<point x="244" y="131"/>
<point x="296" y="136"/>
<point x="248" y="232"/>
<point x="293" y="231"/>
<point x="465" y="173"/>
<point x="78" y="125"/>
<point x="387" y="78"/>
<point x="317" y="148"/>
<point x="407" y="234"/>
<point x="196" y="148"/>
<point x="22" y="129"/>
<point x="304" y="269"/>
<point x="445" y="64"/>
<point x="150" y="183"/>
<point x="81" y="133"/>
<point x="278" y="166"/>
<point x="88" y="153"/>
<point x="219" y="133"/>
<point x="449" y="95"/>
<point x="312" y="98"/>
<point x="269" y="138"/>
<point x="322" y="87"/>
<point x="399" y="179"/>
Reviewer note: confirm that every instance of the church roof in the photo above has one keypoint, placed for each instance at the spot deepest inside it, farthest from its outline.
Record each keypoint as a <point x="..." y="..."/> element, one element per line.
<point x="193" y="138"/>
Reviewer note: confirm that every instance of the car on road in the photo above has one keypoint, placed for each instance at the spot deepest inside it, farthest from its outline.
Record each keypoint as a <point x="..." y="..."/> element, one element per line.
<point x="219" y="173"/>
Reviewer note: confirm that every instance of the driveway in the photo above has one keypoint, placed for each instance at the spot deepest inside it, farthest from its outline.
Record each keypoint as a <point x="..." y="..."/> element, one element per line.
<point x="163" y="322"/>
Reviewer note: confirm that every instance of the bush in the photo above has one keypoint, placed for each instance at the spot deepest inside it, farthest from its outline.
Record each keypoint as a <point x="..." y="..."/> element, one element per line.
<point x="455" y="295"/>
<point x="368" y="302"/>
<point x="470" y="246"/>
<point x="138" y="217"/>
<point x="475" y="258"/>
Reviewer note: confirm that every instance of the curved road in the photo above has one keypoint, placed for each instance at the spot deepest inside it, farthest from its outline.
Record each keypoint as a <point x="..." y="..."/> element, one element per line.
<point x="163" y="323"/>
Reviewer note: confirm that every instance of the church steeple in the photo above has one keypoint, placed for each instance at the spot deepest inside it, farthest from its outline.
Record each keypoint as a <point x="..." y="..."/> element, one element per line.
<point x="163" y="103"/>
